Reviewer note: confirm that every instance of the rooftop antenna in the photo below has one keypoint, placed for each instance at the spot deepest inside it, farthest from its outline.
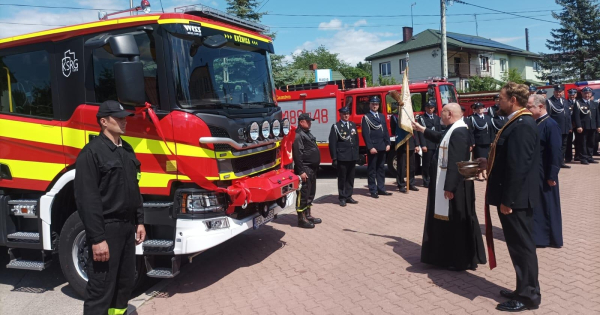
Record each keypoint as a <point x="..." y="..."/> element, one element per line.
<point x="412" y="24"/>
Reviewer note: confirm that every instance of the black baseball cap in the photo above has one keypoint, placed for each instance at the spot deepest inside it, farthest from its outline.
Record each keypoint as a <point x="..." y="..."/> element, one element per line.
<point x="305" y="116"/>
<point x="112" y="108"/>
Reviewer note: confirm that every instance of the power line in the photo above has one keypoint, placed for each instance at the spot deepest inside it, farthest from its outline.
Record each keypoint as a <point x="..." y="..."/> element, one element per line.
<point x="399" y="15"/>
<point x="15" y="23"/>
<point x="52" y="7"/>
<point x="503" y="12"/>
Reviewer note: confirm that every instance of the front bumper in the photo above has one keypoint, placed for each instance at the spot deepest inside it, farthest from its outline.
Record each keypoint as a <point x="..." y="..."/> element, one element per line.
<point x="269" y="187"/>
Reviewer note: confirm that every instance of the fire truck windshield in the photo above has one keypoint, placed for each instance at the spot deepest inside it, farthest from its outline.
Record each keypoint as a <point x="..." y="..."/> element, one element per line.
<point x="447" y="94"/>
<point x="233" y="76"/>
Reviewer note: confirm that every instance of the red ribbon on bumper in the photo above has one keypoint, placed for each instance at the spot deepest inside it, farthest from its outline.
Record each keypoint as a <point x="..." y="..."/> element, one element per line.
<point x="489" y="235"/>
<point x="238" y="192"/>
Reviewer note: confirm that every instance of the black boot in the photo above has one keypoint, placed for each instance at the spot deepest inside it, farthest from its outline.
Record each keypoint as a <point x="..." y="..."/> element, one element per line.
<point x="311" y="218"/>
<point x="303" y="222"/>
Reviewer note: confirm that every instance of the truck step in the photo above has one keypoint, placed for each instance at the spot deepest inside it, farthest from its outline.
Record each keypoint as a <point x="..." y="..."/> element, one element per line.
<point x="157" y="204"/>
<point x="28" y="264"/>
<point x="162" y="273"/>
<point x="158" y="245"/>
<point x="24" y="237"/>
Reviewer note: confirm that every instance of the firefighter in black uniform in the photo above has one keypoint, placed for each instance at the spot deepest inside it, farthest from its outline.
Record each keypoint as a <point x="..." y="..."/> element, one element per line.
<point x="571" y="103"/>
<point x="482" y="131"/>
<point x="414" y="143"/>
<point x="110" y="206"/>
<point x="587" y="119"/>
<point x="532" y="89"/>
<point x="343" y="147"/>
<point x="542" y="92"/>
<point x="433" y="122"/>
<point x="498" y="120"/>
<point x="306" y="162"/>
<point x="377" y="140"/>
<point x="559" y="111"/>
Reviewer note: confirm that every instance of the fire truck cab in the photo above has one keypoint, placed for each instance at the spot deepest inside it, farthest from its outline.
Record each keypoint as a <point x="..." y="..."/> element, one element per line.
<point x="323" y="100"/>
<point x="214" y="148"/>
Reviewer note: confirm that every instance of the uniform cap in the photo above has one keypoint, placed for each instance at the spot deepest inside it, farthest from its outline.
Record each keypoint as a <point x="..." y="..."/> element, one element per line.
<point x="532" y="88"/>
<point x="305" y="116"/>
<point x="344" y="110"/>
<point x="497" y="97"/>
<point x="572" y="91"/>
<point x="477" y="105"/>
<point x="541" y="92"/>
<point x="431" y="103"/>
<point x="559" y="87"/>
<point x="374" y="99"/>
<point x="112" y="108"/>
<point x="586" y="89"/>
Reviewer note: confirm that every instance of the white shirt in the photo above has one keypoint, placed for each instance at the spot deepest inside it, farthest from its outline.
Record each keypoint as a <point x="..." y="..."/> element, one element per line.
<point x="513" y="114"/>
<point x="376" y="114"/>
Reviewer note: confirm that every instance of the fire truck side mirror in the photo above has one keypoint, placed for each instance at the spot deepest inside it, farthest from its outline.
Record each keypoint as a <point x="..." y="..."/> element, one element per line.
<point x="215" y="41"/>
<point x="129" y="80"/>
<point x="124" y="46"/>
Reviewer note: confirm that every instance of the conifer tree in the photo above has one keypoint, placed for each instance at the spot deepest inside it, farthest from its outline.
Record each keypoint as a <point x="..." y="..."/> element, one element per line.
<point x="576" y="43"/>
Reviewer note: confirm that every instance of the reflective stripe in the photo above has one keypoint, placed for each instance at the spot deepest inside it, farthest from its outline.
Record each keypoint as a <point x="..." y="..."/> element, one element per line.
<point x="213" y="26"/>
<point x="33" y="170"/>
<point x="117" y="311"/>
<point x="49" y="134"/>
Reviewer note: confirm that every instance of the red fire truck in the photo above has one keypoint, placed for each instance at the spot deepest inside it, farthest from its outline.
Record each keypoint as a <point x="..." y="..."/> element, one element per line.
<point x="466" y="100"/>
<point x="322" y="101"/>
<point x="214" y="148"/>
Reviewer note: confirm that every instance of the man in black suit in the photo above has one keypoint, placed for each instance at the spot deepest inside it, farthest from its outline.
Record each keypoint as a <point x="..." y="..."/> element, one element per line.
<point x="377" y="139"/>
<point x="482" y="130"/>
<point x="498" y="121"/>
<point x="513" y="186"/>
<point x="559" y="111"/>
<point x="571" y="103"/>
<point x="414" y="143"/>
<point x="587" y="122"/>
<point x="430" y="121"/>
<point x="343" y="147"/>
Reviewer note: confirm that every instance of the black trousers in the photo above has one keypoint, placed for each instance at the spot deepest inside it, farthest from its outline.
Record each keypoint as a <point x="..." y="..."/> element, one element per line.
<point x="518" y="227"/>
<point x="376" y="171"/>
<point x="306" y="194"/>
<point x="569" y="150"/>
<point x="110" y="283"/>
<point x="345" y="174"/>
<point x="425" y="167"/>
<point x="596" y="139"/>
<point x="564" y="146"/>
<point x="401" y="171"/>
<point x="586" y="144"/>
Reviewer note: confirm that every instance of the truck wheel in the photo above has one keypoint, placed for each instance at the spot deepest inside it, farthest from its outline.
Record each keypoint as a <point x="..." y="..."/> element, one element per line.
<point x="392" y="164"/>
<point x="73" y="256"/>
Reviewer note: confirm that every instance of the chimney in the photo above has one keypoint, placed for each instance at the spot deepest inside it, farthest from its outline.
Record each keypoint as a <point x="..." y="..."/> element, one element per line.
<point x="312" y="66"/>
<point x="406" y="33"/>
<point x="527" y="39"/>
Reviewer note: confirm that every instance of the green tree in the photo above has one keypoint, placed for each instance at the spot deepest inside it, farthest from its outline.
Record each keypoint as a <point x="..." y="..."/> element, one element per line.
<point x="576" y="42"/>
<point x="321" y="56"/>
<point x="512" y="75"/>
<point x="282" y="73"/>
<point x="246" y="9"/>
<point x="477" y="84"/>
<point x="386" y="81"/>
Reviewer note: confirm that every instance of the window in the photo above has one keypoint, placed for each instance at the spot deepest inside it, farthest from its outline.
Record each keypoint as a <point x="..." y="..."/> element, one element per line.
<point x="537" y="66"/>
<point x="362" y="104"/>
<point x="104" y="78"/>
<point x="349" y="103"/>
<point x="25" y="84"/>
<point x="484" y="63"/>
<point x="503" y="65"/>
<point x="385" y="69"/>
<point x="402" y="65"/>
<point x="447" y="94"/>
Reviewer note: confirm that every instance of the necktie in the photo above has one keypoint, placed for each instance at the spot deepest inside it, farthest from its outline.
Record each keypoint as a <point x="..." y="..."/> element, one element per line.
<point x="376" y="116"/>
<point x="345" y="125"/>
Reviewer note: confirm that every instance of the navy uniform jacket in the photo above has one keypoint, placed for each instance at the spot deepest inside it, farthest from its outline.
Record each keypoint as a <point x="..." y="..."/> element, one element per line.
<point x="434" y="123"/>
<point x="515" y="176"/>
<point x="497" y="120"/>
<point x="343" y="142"/>
<point x="572" y="105"/>
<point x="586" y="115"/>
<point x="417" y="138"/>
<point x="558" y="109"/>
<point x="374" y="137"/>
<point x="483" y="136"/>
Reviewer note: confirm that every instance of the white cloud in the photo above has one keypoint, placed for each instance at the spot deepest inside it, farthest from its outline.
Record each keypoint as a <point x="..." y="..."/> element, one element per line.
<point x="506" y="40"/>
<point x="360" y="23"/>
<point x="352" y="45"/>
<point x="331" y="25"/>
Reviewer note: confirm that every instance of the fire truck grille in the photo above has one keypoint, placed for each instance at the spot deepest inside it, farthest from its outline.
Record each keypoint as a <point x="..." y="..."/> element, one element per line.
<point x="253" y="161"/>
<point x="221" y="133"/>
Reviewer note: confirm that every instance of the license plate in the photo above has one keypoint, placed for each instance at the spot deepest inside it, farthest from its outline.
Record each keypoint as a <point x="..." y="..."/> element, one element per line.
<point x="260" y="220"/>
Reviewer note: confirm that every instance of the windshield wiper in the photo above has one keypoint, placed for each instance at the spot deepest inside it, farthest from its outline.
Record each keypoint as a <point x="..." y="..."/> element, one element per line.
<point x="268" y="104"/>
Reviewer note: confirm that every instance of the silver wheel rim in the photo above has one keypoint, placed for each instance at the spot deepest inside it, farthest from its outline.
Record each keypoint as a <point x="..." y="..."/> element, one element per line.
<point x="80" y="255"/>
<point x="395" y="164"/>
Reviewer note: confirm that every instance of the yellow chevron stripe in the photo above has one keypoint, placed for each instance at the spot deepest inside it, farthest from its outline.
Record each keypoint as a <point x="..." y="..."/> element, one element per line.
<point x="33" y="170"/>
<point x="213" y="26"/>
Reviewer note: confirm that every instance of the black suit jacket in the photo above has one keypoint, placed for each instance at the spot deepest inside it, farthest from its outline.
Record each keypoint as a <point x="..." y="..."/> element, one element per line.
<point x="590" y="120"/>
<point x="484" y="136"/>
<point x="560" y="113"/>
<point x="375" y="138"/>
<point x="434" y="124"/>
<point x="341" y="149"/>
<point x="514" y="179"/>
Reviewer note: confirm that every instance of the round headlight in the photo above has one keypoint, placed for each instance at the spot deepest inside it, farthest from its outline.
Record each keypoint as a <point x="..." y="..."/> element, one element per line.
<point x="285" y="126"/>
<point x="276" y="128"/>
<point x="265" y="129"/>
<point x="253" y="131"/>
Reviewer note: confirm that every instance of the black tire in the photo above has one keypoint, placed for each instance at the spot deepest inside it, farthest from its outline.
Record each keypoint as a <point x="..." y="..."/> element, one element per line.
<point x="391" y="161"/>
<point x="73" y="271"/>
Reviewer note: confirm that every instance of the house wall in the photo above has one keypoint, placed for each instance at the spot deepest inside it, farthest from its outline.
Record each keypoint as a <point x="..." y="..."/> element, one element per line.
<point x="422" y="65"/>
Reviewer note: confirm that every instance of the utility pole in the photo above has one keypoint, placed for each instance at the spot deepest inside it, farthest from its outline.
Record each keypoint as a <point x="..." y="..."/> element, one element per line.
<point x="412" y="23"/>
<point x="444" y="43"/>
<point x="476" y="25"/>
<point x="131" y="7"/>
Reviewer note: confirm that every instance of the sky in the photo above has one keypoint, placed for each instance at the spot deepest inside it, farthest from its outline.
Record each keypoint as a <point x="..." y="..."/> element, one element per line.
<point x="354" y="29"/>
